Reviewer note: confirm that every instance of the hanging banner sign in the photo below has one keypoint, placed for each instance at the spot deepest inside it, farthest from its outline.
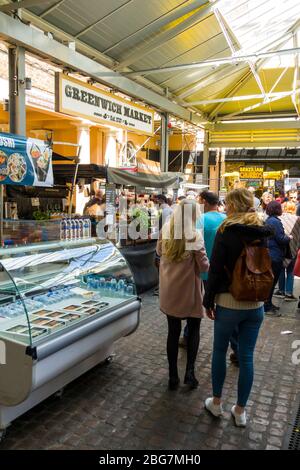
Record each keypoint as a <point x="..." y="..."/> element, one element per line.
<point x="273" y="175"/>
<point x="251" y="172"/>
<point x="25" y="162"/>
<point x="81" y="99"/>
<point x="150" y="167"/>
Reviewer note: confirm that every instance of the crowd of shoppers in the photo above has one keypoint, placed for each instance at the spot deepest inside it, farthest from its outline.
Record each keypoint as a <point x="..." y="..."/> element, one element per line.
<point x="199" y="256"/>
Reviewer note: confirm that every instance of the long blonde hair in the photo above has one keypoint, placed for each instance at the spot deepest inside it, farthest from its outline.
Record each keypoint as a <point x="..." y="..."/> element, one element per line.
<point x="241" y="206"/>
<point x="180" y="230"/>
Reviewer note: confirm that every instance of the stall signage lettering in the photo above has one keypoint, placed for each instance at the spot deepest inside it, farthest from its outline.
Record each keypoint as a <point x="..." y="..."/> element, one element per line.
<point x="144" y="165"/>
<point x="251" y="172"/>
<point x="7" y="142"/>
<point x="273" y="175"/>
<point x="25" y="162"/>
<point x="80" y="99"/>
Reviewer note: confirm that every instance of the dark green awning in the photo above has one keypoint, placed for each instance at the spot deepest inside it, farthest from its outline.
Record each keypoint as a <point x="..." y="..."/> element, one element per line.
<point x="144" y="180"/>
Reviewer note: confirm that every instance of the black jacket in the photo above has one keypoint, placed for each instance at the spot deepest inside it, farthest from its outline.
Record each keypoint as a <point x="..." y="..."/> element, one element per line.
<point x="227" y="249"/>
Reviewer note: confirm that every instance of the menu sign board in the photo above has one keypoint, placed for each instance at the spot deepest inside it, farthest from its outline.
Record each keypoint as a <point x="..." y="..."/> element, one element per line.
<point x="77" y="98"/>
<point x="110" y="200"/>
<point x="273" y="175"/>
<point x="25" y="162"/>
<point x="251" y="173"/>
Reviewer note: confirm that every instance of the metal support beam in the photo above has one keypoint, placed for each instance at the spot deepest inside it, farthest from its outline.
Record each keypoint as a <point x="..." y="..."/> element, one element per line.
<point x="262" y="103"/>
<point x="205" y="168"/>
<point x="245" y="79"/>
<point x="256" y="126"/>
<point x="222" y="71"/>
<point x="278" y="79"/>
<point x="165" y="35"/>
<point x="235" y="50"/>
<point x="238" y="98"/>
<point x="208" y="79"/>
<point x="262" y="144"/>
<point x="296" y="75"/>
<point x="215" y="62"/>
<point x="164" y="143"/>
<point x="81" y="46"/>
<point x="15" y="32"/>
<point x="17" y="105"/>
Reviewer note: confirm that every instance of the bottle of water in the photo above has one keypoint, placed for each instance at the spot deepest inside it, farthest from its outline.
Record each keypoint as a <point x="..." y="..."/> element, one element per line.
<point x="80" y="229"/>
<point x="121" y="286"/>
<point x="77" y="229"/>
<point x="86" y="228"/>
<point x="113" y="286"/>
<point x="62" y="229"/>
<point x="108" y="287"/>
<point x="102" y="283"/>
<point x="73" y="229"/>
<point x="90" y="228"/>
<point x="68" y="229"/>
<point x="129" y="290"/>
<point x="90" y="283"/>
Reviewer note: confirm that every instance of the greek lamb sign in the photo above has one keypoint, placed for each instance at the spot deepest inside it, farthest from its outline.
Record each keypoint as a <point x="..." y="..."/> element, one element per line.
<point x="81" y="99"/>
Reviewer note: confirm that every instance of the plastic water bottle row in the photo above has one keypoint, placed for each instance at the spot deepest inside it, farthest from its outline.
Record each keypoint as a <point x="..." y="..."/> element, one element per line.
<point x="17" y="308"/>
<point x="110" y="287"/>
<point x="75" y="229"/>
<point x="55" y="295"/>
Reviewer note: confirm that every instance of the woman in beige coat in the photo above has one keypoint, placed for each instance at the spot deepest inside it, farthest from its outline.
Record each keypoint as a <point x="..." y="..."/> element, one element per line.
<point x="182" y="259"/>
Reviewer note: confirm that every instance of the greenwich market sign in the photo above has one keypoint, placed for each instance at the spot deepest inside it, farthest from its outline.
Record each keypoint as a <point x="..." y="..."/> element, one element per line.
<point x="81" y="99"/>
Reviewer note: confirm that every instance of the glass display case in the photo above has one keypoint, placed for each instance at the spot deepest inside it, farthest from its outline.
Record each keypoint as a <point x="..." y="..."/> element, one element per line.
<point x="62" y="305"/>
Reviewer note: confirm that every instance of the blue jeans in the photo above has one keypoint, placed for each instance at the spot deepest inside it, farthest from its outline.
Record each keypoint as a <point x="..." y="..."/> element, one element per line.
<point x="286" y="278"/>
<point x="248" y="323"/>
<point x="234" y="339"/>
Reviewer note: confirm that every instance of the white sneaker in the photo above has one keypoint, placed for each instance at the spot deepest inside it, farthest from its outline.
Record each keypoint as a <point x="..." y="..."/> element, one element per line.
<point x="240" y="420"/>
<point x="215" y="410"/>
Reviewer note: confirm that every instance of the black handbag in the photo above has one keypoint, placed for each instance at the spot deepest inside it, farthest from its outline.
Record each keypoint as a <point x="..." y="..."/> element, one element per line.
<point x="287" y="252"/>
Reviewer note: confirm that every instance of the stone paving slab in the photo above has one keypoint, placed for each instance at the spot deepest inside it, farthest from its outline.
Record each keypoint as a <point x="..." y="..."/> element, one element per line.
<point x="126" y="405"/>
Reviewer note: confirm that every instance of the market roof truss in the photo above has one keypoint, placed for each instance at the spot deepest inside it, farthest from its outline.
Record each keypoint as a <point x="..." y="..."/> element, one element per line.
<point x="36" y="42"/>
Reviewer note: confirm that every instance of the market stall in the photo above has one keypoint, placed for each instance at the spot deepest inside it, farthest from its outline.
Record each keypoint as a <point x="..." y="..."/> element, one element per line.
<point x="63" y="303"/>
<point x="256" y="177"/>
<point x="140" y="254"/>
<point x="62" y="306"/>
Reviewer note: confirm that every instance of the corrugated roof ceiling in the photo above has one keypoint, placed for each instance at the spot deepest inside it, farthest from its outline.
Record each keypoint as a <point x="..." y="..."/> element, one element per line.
<point x="153" y="34"/>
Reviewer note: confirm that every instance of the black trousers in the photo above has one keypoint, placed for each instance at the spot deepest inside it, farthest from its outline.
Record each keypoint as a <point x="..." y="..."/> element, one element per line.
<point x="193" y="339"/>
<point x="276" y="268"/>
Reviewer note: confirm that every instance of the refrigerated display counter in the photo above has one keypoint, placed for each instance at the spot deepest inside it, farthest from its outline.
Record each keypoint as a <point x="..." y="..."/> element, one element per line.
<point x="62" y="307"/>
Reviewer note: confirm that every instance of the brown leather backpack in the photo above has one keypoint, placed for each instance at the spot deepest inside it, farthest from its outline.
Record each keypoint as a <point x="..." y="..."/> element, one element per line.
<point x="252" y="278"/>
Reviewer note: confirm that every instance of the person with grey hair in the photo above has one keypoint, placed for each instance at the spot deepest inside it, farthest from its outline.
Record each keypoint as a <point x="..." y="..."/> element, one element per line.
<point x="256" y="200"/>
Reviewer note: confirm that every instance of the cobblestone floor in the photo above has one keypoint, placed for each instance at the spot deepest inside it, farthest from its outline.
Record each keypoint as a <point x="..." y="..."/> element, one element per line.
<point x="126" y="405"/>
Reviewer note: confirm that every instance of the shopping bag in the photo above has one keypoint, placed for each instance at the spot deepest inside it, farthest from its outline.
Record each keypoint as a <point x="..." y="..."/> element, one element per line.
<point x="297" y="265"/>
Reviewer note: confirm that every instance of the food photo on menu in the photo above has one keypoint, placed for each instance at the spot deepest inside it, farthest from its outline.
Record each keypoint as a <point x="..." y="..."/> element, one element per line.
<point x="13" y="167"/>
<point x="41" y="158"/>
<point x="16" y="167"/>
<point x="3" y="165"/>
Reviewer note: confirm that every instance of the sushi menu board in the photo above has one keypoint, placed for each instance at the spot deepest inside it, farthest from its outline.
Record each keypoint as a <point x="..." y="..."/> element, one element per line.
<point x="25" y="162"/>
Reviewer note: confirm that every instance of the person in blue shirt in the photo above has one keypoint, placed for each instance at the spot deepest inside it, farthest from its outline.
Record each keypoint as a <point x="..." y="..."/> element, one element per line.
<point x="209" y="224"/>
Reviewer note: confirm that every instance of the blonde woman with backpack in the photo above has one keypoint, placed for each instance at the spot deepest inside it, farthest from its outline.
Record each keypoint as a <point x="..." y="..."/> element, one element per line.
<point x="242" y="228"/>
